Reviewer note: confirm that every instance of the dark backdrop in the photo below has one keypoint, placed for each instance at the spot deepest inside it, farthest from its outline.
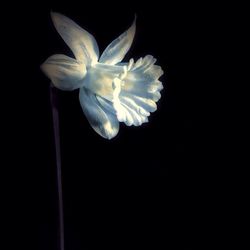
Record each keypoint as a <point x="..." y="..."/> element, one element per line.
<point x="148" y="184"/>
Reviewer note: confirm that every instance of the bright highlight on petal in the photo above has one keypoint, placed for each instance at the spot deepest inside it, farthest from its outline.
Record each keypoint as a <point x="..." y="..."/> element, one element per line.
<point x="110" y="91"/>
<point x="116" y="51"/>
<point x="82" y="43"/>
<point x="65" y="72"/>
<point x="136" y="91"/>
<point x="101" y="119"/>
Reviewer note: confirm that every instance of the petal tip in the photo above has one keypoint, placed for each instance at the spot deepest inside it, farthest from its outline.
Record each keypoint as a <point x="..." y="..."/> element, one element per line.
<point x="135" y="18"/>
<point x="108" y="131"/>
<point x="43" y="67"/>
<point x="54" y="14"/>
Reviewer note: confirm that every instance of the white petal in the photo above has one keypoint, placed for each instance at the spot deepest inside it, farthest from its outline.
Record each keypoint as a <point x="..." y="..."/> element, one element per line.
<point x="136" y="94"/>
<point x="142" y="79"/>
<point x="99" y="79"/>
<point x="137" y="119"/>
<point x="117" y="49"/>
<point x="82" y="43"/>
<point x="106" y="105"/>
<point x="101" y="119"/>
<point x="64" y="72"/>
<point x="146" y="104"/>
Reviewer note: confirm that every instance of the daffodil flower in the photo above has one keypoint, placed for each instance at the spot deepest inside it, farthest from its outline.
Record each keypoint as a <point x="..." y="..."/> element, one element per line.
<point x="110" y="91"/>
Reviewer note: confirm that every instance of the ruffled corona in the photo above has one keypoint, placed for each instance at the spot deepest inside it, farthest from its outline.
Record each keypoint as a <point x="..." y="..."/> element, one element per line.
<point x="110" y="91"/>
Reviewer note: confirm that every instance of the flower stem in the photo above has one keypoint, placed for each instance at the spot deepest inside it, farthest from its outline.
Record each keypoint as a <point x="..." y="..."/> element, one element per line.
<point x="55" y="115"/>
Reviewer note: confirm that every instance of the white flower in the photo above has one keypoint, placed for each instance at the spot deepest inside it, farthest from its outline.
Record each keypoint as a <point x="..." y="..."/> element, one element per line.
<point x="110" y="91"/>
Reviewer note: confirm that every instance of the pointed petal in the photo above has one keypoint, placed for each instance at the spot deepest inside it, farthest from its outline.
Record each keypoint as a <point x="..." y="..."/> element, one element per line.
<point x="82" y="43"/>
<point x="64" y="72"/>
<point x="100" y="118"/>
<point x="116" y="50"/>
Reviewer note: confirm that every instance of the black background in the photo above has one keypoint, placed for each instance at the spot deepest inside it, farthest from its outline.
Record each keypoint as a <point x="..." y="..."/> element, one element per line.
<point x="150" y="184"/>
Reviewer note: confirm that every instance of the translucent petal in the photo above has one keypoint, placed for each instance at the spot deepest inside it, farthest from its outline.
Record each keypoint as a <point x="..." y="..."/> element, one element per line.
<point x="82" y="43"/>
<point x="100" y="118"/>
<point x="64" y="72"/>
<point x="117" y="49"/>
<point x="136" y="94"/>
<point x="99" y="79"/>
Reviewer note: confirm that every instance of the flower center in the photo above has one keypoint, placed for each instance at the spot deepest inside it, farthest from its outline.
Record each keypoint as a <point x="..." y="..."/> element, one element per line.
<point x="99" y="79"/>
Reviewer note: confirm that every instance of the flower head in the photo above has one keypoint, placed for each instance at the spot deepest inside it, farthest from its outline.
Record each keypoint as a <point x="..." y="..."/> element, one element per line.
<point x="110" y="91"/>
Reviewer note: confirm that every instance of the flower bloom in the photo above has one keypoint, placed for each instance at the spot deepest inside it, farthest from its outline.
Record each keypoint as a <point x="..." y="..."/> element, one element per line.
<point x="110" y="91"/>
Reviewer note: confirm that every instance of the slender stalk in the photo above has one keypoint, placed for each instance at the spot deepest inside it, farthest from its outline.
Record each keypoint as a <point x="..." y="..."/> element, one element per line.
<point x="54" y="106"/>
